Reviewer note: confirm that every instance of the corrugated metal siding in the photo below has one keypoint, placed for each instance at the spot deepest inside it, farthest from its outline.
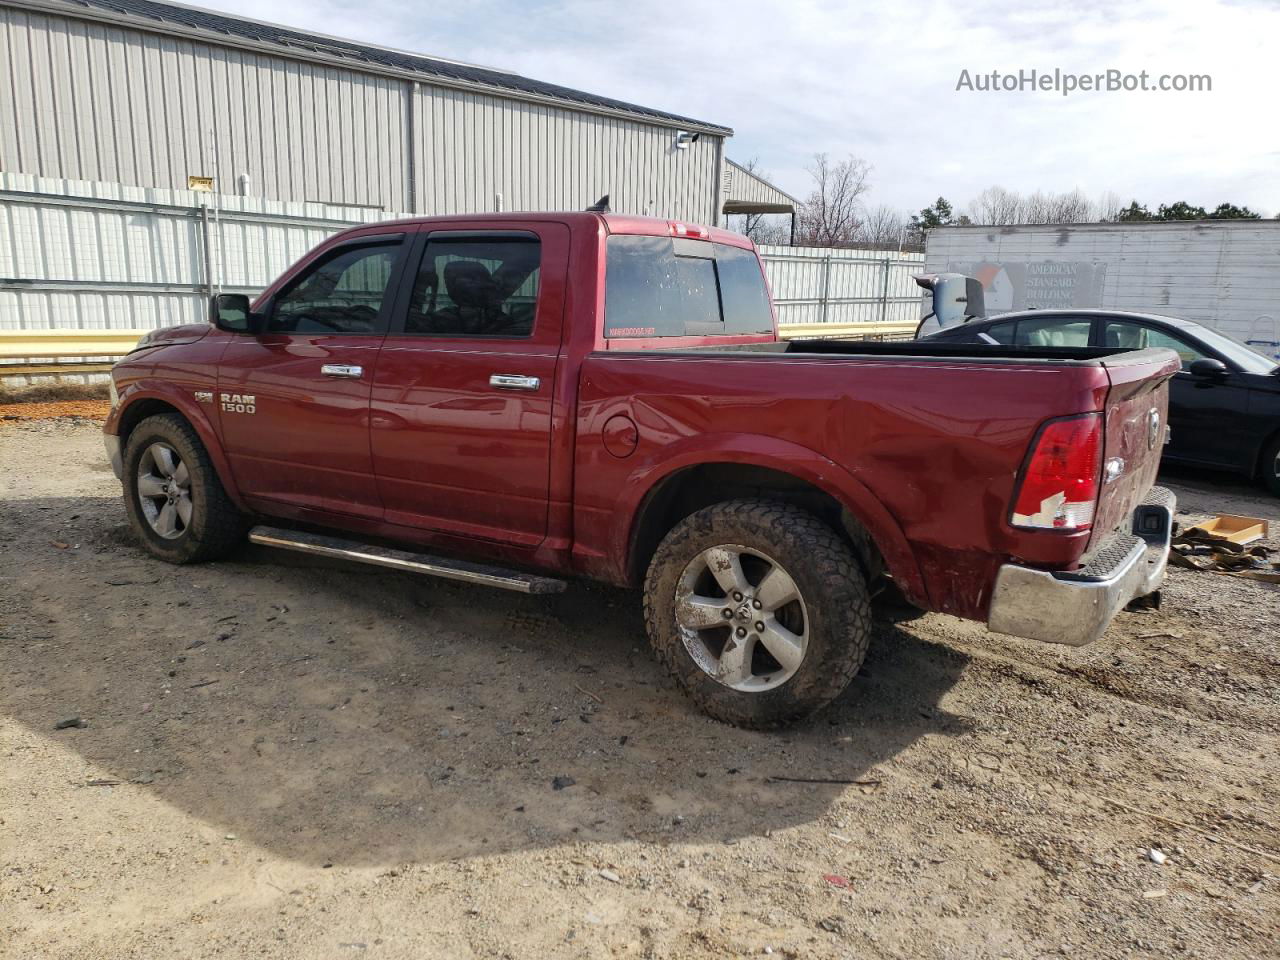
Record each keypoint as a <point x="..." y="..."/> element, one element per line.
<point x="1225" y="274"/>
<point x="817" y="284"/>
<point x="473" y="147"/>
<point x="745" y="187"/>
<point x="85" y="101"/>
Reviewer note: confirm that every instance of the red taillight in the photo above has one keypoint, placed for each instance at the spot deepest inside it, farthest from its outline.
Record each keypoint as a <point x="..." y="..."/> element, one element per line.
<point x="685" y="230"/>
<point x="1059" y="487"/>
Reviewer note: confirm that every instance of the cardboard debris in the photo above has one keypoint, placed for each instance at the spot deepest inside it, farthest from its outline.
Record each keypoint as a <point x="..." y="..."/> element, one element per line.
<point x="1234" y="528"/>
<point x="1198" y="549"/>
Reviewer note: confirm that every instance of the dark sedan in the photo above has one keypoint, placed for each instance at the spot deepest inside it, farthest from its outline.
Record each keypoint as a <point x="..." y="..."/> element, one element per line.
<point x="1224" y="406"/>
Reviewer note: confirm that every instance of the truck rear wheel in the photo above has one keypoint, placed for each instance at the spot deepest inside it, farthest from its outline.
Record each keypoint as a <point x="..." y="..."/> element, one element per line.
<point x="173" y="496"/>
<point x="759" y="610"/>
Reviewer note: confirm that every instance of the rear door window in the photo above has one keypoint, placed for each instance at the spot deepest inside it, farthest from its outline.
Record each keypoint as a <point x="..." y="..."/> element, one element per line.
<point x="476" y="286"/>
<point x="676" y="287"/>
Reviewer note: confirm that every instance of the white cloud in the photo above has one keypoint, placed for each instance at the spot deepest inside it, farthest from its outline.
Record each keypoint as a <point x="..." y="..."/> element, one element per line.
<point x="879" y="81"/>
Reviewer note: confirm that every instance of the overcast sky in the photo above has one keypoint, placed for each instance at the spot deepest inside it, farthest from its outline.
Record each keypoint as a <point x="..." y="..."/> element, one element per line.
<point x="879" y="81"/>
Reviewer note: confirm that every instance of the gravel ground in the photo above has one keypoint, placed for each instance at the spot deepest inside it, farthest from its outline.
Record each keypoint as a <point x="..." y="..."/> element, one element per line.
<point x="288" y="758"/>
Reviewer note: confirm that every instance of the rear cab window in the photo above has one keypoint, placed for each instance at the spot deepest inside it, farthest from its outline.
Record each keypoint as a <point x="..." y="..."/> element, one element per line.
<point x="679" y="287"/>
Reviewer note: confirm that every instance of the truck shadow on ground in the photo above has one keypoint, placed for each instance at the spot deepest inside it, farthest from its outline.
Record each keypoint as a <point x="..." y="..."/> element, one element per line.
<point x="346" y="715"/>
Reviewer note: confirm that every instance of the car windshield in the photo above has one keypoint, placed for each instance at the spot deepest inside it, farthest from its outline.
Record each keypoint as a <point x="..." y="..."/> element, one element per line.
<point x="1243" y="356"/>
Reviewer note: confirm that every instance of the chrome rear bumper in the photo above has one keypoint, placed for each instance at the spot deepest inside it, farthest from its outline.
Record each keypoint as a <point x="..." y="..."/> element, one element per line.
<point x="1076" y="607"/>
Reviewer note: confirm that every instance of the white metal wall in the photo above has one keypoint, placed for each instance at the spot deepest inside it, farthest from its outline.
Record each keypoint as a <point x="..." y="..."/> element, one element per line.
<point x="1225" y="274"/>
<point x="818" y="284"/>
<point x="83" y="100"/>
<point x="76" y="255"/>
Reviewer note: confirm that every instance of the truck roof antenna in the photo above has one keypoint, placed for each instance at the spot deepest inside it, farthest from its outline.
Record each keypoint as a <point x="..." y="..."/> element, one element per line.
<point x="600" y="206"/>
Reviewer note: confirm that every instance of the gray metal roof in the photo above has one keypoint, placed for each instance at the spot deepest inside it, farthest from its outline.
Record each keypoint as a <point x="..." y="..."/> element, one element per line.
<point x="299" y="43"/>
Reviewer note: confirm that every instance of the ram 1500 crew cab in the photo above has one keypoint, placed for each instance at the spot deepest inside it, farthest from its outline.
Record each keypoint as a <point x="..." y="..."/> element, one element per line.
<point x="517" y="399"/>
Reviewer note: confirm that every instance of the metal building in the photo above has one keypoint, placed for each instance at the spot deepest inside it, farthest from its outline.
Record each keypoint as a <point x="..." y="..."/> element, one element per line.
<point x="148" y="94"/>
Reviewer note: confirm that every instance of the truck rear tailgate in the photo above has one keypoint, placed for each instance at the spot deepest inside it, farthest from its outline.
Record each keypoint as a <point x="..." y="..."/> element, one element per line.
<point x="1135" y="424"/>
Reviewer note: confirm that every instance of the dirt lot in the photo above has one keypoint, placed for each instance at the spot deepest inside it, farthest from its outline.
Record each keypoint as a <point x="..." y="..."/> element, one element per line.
<point x="285" y="758"/>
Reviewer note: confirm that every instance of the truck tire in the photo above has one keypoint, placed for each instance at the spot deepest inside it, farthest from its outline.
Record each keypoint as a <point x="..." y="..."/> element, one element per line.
<point x="759" y="610"/>
<point x="1271" y="466"/>
<point x="175" y="501"/>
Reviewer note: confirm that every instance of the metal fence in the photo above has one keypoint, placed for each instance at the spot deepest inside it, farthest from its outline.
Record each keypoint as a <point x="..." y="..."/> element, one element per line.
<point x="77" y="255"/>
<point x="99" y="257"/>
<point x="821" y="285"/>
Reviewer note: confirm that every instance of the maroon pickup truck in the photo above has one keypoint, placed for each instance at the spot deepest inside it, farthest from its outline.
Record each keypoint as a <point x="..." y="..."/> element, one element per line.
<point x="518" y="399"/>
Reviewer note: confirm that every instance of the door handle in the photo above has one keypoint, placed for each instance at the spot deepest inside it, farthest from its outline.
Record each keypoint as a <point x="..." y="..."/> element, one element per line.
<point x="345" y="371"/>
<point x="511" y="381"/>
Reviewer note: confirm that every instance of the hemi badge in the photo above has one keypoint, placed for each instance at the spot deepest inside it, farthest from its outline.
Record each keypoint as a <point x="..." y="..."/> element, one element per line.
<point x="204" y="396"/>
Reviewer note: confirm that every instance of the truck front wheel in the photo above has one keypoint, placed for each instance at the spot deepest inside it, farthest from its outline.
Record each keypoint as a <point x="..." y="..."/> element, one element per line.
<point x="759" y="610"/>
<point x="175" y="501"/>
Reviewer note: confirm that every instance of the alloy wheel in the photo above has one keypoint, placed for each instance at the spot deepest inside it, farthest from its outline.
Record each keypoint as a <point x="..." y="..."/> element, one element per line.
<point x="742" y="618"/>
<point x="164" y="490"/>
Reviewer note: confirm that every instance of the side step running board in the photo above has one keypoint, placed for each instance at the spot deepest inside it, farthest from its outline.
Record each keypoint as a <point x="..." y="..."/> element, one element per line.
<point x="322" y="546"/>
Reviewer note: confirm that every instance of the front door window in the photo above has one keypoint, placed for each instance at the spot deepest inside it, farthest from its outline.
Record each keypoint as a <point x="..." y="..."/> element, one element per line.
<point x="343" y="294"/>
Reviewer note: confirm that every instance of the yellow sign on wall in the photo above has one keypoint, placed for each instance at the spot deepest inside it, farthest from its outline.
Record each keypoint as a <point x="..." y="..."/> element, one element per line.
<point x="201" y="184"/>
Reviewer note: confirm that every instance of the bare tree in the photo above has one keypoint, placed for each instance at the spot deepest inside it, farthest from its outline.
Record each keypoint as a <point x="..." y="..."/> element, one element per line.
<point x="1109" y="206"/>
<point x="996" y="206"/>
<point x="752" y="224"/>
<point x="1000" y="207"/>
<point x="831" y="215"/>
<point x="1071" y="207"/>
<point x="882" y="226"/>
<point x="773" y="228"/>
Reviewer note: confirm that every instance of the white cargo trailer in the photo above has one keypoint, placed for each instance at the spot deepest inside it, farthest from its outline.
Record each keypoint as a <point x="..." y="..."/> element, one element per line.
<point x="1222" y="273"/>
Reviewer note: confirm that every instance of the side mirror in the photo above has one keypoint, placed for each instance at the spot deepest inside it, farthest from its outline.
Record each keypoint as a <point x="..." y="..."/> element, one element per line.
<point x="1206" y="368"/>
<point x="230" y="312"/>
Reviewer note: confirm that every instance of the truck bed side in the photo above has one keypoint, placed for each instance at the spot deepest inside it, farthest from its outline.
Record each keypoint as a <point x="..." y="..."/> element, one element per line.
<point x="924" y="450"/>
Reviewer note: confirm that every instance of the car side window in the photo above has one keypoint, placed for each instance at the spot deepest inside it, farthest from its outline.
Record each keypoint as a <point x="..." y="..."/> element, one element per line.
<point x="998" y="332"/>
<point x="342" y="293"/>
<point x="1136" y="336"/>
<point x="476" y="287"/>
<point x="1053" y="332"/>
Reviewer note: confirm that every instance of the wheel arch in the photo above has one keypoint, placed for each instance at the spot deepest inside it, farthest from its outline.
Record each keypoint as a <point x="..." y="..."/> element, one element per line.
<point x="791" y="474"/>
<point x="1259" y="460"/>
<point x="141" y="404"/>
